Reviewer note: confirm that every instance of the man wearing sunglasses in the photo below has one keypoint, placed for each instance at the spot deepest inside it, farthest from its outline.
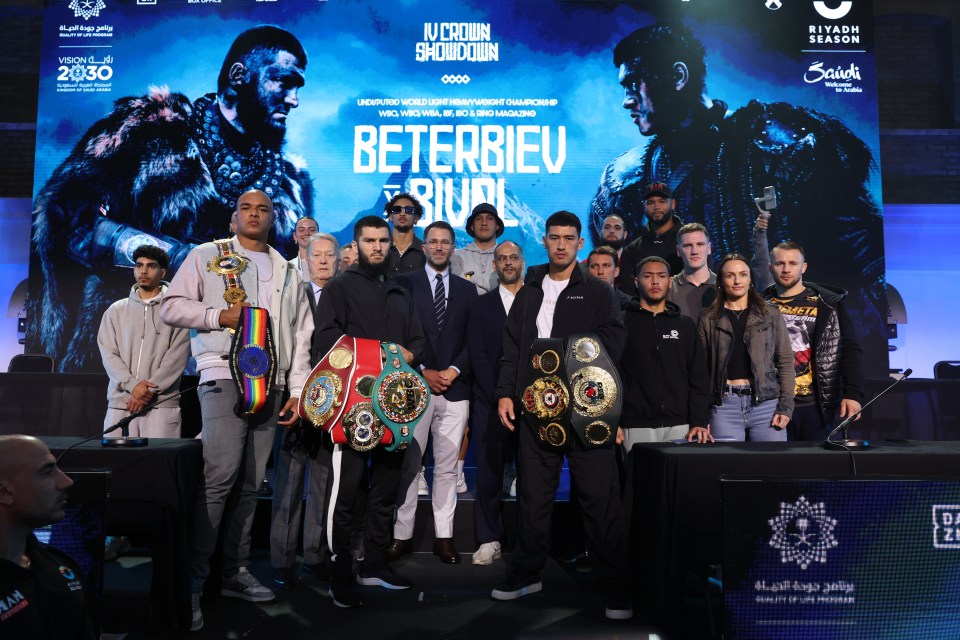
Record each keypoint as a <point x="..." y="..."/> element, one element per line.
<point x="406" y="249"/>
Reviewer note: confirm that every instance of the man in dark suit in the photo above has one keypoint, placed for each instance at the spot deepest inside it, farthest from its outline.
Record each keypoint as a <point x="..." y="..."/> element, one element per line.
<point x="298" y="449"/>
<point x="443" y="303"/>
<point x="493" y="444"/>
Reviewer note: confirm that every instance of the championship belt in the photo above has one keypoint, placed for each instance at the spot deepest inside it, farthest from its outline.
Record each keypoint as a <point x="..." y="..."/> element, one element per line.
<point x="325" y="392"/>
<point x="546" y="400"/>
<point x="595" y="391"/>
<point x="252" y="360"/>
<point x="400" y="397"/>
<point x="229" y="265"/>
<point x="360" y="427"/>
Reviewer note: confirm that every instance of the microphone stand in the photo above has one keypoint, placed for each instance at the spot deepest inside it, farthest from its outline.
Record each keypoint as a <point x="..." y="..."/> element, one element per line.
<point x="124" y="424"/>
<point x="847" y="443"/>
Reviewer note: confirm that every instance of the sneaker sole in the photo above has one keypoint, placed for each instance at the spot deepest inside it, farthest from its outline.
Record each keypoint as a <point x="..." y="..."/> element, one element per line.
<point x="242" y="596"/>
<point x="342" y="605"/>
<point x="496" y="594"/>
<point x="380" y="582"/>
<point x="496" y="556"/>
<point x="196" y="627"/>
<point x="619" y="614"/>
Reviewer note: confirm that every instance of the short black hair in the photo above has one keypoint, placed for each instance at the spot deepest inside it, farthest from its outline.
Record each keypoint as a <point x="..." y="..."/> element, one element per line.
<point x="369" y="222"/>
<point x="152" y="252"/>
<point x="563" y="219"/>
<point x="418" y="208"/>
<point x="650" y="259"/>
<point x="440" y="224"/>
<point x="656" y="47"/>
<point x="263" y="38"/>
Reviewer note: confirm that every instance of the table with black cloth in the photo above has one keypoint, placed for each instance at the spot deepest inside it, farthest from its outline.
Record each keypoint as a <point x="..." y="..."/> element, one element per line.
<point x="152" y="496"/>
<point x="677" y="524"/>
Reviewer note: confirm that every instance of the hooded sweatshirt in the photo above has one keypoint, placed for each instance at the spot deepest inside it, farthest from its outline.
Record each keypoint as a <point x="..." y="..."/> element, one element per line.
<point x="136" y="345"/>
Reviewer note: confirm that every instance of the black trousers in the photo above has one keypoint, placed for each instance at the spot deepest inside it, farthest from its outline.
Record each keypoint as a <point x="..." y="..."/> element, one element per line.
<point x="807" y="424"/>
<point x="494" y="445"/>
<point x="598" y="485"/>
<point x="349" y="478"/>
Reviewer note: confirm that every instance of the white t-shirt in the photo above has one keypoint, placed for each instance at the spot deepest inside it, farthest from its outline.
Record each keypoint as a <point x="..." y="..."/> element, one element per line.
<point x="551" y="293"/>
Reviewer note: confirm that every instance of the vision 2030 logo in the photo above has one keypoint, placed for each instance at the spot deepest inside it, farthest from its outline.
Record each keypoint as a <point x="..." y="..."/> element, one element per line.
<point x="803" y="532"/>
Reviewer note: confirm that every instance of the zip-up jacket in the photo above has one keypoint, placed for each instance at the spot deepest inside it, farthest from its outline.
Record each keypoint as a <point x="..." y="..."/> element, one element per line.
<point x="837" y="355"/>
<point x="650" y="243"/>
<point x="136" y="345"/>
<point x="663" y="369"/>
<point x="768" y="346"/>
<point x="586" y="305"/>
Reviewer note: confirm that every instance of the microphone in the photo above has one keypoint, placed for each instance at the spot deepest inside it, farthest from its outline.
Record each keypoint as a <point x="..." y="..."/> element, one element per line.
<point x="862" y="444"/>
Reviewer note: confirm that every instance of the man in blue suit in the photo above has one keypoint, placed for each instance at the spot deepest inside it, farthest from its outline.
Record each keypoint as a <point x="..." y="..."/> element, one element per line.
<point x="493" y="443"/>
<point x="442" y="301"/>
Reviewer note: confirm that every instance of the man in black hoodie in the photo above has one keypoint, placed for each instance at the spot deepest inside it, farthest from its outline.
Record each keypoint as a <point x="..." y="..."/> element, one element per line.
<point x="658" y="237"/>
<point x="557" y="301"/>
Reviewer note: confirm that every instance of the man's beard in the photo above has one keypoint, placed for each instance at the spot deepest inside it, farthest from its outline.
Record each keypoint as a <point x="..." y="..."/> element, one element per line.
<point x="369" y="267"/>
<point x="616" y="245"/>
<point x="256" y="122"/>
<point x="654" y="225"/>
<point x="504" y="279"/>
<point x="439" y="267"/>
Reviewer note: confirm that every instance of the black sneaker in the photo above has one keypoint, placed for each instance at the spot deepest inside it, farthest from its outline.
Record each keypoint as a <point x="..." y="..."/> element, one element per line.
<point x="385" y="577"/>
<point x="284" y="579"/>
<point x="345" y="597"/>
<point x="515" y="587"/>
<point x="618" y="607"/>
<point x="319" y="571"/>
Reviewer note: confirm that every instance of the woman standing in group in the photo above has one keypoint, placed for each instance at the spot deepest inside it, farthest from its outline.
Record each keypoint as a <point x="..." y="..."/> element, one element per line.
<point x="749" y="357"/>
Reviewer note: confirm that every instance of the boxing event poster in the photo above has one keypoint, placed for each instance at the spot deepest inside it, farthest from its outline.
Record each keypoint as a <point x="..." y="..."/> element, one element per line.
<point x="518" y="103"/>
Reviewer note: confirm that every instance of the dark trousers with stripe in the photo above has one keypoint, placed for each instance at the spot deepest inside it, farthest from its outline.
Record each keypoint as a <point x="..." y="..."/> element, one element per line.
<point x="349" y="475"/>
<point x="598" y="494"/>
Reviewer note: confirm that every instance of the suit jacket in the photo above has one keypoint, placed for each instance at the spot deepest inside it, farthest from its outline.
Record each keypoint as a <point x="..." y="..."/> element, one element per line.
<point x="308" y="287"/>
<point x="485" y="343"/>
<point x="449" y="347"/>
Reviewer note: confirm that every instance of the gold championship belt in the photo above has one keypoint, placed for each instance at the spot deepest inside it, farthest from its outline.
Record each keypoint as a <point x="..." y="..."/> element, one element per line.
<point x="595" y="389"/>
<point x="546" y="396"/>
<point x="324" y="395"/>
<point x="229" y="265"/>
<point x="400" y="398"/>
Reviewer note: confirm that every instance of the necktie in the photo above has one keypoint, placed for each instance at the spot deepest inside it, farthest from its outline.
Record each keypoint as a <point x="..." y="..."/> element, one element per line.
<point x="439" y="301"/>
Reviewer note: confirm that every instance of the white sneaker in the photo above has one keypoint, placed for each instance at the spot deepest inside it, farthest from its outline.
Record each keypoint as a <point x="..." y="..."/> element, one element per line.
<point x="246" y="587"/>
<point x="487" y="553"/>
<point x="422" y="488"/>
<point x="510" y="480"/>
<point x="196" y="623"/>
<point x="461" y="480"/>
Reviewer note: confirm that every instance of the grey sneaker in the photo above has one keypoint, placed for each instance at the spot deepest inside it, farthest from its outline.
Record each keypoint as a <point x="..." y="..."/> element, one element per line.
<point x="196" y="623"/>
<point x="246" y="587"/>
<point x="487" y="553"/>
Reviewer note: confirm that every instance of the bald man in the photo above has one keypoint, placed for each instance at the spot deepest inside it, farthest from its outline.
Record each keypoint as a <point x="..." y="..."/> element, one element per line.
<point x="41" y="593"/>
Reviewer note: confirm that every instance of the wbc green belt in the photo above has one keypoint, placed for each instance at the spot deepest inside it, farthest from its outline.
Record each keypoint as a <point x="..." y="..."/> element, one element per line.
<point x="546" y="399"/>
<point x="252" y="360"/>
<point x="400" y="397"/>
<point x="595" y="390"/>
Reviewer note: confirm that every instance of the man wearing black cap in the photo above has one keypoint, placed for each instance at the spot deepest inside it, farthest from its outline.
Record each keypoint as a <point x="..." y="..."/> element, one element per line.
<point x="475" y="261"/>
<point x="658" y="237"/>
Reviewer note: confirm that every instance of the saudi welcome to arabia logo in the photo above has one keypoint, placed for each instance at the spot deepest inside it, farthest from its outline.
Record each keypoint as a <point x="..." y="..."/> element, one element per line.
<point x="803" y="532"/>
<point x="87" y="9"/>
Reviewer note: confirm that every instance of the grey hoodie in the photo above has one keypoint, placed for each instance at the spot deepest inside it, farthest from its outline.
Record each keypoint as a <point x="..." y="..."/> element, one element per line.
<point x="136" y="345"/>
<point x="478" y="263"/>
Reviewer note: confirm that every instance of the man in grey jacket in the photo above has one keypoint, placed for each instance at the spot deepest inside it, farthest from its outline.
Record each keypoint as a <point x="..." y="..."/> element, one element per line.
<point x="236" y="445"/>
<point x="142" y="355"/>
<point x="475" y="261"/>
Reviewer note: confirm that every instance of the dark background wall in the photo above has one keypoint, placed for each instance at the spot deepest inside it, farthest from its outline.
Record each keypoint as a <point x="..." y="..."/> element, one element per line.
<point x="918" y="60"/>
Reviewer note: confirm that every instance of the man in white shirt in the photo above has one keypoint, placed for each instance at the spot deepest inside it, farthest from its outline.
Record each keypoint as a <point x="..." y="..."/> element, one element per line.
<point x="306" y="228"/>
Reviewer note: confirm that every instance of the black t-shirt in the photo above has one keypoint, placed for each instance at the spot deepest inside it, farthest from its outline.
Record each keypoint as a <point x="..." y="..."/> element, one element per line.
<point x="45" y="601"/>
<point x="738" y="366"/>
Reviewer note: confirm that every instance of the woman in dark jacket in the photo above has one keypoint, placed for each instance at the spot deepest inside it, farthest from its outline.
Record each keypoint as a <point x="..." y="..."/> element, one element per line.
<point x="749" y="358"/>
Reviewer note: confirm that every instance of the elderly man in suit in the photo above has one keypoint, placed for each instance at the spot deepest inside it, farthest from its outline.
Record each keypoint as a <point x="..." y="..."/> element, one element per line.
<point x="494" y="444"/>
<point x="298" y="450"/>
<point x="443" y="303"/>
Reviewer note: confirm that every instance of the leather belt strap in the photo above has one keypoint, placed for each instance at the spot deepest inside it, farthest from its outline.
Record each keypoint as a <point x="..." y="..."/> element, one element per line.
<point x="595" y="390"/>
<point x="252" y="360"/>
<point x="400" y="398"/>
<point x="546" y="399"/>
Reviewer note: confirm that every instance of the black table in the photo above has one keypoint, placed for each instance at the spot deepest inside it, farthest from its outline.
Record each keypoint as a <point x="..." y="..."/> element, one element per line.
<point x="152" y="496"/>
<point x="676" y="530"/>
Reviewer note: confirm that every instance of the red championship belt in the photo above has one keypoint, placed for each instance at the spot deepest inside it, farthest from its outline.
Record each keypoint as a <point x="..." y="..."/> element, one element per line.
<point x="359" y="425"/>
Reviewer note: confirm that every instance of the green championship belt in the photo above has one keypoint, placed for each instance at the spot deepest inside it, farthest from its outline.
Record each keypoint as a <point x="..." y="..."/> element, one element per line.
<point x="595" y="390"/>
<point x="252" y="360"/>
<point x="546" y="399"/>
<point x="400" y="396"/>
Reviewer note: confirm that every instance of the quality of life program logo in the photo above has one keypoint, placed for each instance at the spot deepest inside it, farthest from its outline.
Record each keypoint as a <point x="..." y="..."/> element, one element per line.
<point x="87" y="9"/>
<point x="803" y="533"/>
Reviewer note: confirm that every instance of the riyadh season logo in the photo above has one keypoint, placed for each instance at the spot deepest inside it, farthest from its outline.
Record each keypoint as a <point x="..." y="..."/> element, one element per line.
<point x="835" y="13"/>
<point x="67" y="572"/>
<point x="803" y="533"/>
<point x="87" y="9"/>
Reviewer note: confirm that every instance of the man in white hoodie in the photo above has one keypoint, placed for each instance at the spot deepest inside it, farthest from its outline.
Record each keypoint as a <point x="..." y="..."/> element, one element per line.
<point x="143" y="356"/>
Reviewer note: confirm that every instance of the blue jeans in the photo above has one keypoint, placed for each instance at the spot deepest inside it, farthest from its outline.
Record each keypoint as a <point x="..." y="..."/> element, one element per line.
<point x="736" y="417"/>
